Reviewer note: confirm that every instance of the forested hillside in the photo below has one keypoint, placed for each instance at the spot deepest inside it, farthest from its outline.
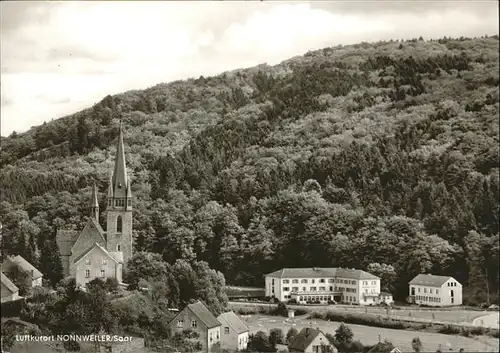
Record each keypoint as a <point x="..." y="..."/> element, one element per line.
<point x="383" y="153"/>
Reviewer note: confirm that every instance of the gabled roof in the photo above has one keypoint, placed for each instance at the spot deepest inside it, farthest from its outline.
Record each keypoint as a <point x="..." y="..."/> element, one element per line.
<point x="316" y="272"/>
<point x="8" y="283"/>
<point x="202" y="313"/>
<point x="430" y="280"/>
<point x="24" y="265"/>
<point x="96" y="245"/>
<point x="233" y="321"/>
<point x="304" y="339"/>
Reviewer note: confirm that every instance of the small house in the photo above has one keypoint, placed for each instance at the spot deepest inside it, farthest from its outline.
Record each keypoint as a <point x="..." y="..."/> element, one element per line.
<point x="234" y="332"/>
<point x="310" y="340"/>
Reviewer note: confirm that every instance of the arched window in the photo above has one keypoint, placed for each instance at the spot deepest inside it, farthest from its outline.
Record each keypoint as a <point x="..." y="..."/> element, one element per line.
<point x="119" y="224"/>
<point x="118" y="248"/>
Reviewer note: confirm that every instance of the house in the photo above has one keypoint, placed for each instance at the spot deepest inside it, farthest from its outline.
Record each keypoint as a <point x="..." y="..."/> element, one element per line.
<point x="34" y="277"/>
<point x="433" y="290"/>
<point x="93" y="252"/>
<point x="9" y="291"/>
<point x="234" y="332"/>
<point x="309" y="285"/>
<point x="310" y="340"/>
<point x="197" y="318"/>
<point x="385" y="298"/>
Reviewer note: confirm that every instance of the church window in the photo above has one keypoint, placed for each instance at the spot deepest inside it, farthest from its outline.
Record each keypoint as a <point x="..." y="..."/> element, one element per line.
<point x="87" y="273"/>
<point x="129" y="202"/>
<point x="87" y="262"/>
<point x="110" y="202"/>
<point x="118" y="248"/>
<point x="119" y="224"/>
<point x="104" y="261"/>
<point x="103" y="273"/>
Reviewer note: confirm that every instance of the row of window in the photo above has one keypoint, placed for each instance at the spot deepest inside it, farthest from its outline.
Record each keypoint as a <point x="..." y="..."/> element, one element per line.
<point x="322" y="280"/>
<point x="194" y="323"/>
<point x="452" y="284"/>
<point x="428" y="299"/>
<point x="119" y="202"/>
<point x="323" y="289"/>
<point x="103" y="262"/>
<point x="431" y="291"/>
<point x="102" y="273"/>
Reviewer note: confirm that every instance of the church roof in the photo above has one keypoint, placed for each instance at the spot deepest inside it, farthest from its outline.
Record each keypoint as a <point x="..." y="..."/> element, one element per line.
<point x="65" y="239"/>
<point x="96" y="245"/>
<point x="119" y="178"/>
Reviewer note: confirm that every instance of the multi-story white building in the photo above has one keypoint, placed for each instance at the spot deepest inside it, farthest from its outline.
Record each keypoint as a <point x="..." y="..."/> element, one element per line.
<point x="432" y="290"/>
<point x="305" y="285"/>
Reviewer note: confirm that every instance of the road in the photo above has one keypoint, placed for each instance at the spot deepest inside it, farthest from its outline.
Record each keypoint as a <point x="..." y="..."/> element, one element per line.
<point x="491" y="320"/>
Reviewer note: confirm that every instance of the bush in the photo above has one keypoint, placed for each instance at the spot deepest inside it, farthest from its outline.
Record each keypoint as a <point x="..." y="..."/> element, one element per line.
<point x="449" y="329"/>
<point x="362" y="319"/>
<point x="71" y="346"/>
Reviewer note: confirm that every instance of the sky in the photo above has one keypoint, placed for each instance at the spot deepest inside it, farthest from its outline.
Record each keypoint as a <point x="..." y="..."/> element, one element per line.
<point x="60" y="57"/>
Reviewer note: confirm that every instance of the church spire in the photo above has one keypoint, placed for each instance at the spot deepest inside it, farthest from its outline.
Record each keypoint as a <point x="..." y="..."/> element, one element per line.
<point x="94" y="204"/>
<point x="119" y="178"/>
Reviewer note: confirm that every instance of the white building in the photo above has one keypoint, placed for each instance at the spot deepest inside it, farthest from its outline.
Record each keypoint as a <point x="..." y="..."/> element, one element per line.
<point x="309" y="285"/>
<point x="234" y="332"/>
<point x="432" y="290"/>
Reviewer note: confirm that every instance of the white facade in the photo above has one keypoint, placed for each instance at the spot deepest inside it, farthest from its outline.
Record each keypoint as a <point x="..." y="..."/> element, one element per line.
<point x="448" y="293"/>
<point x="352" y="287"/>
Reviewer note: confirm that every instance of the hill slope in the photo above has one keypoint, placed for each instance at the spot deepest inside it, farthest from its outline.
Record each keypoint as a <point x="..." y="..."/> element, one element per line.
<point x="346" y="156"/>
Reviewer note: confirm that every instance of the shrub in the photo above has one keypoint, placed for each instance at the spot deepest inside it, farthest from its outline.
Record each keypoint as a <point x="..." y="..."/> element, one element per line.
<point x="71" y="346"/>
<point x="449" y="329"/>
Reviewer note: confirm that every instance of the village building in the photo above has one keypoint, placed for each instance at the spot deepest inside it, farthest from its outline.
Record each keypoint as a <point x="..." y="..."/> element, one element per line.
<point x="323" y="285"/>
<point x="93" y="252"/>
<point x="433" y="290"/>
<point x="34" y="277"/>
<point x="310" y="340"/>
<point x="234" y="332"/>
<point x="9" y="291"/>
<point x="386" y="298"/>
<point x="197" y="318"/>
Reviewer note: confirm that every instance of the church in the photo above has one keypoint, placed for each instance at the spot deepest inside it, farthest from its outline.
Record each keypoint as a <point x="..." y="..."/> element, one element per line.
<point x="93" y="252"/>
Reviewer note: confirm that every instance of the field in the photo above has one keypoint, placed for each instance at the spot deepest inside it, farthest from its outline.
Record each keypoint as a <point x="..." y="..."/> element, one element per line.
<point x="453" y="316"/>
<point x="240" y="292"/>
<point x="371" y="335"/>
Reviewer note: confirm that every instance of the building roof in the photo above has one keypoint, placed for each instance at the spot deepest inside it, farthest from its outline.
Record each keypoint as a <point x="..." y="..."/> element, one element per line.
<point x="430" y="280"/>
<point x="24" y="265"/>
<point x="8" y="283"/>
<point x="65" y="239"/>
<point x="202" y="313"/>
<point x="119" y="177"/>
<point x="233" y="321"/>
<point x="304" y="339"/>
<point x="316" y="272"/>
<point x="96" y="245"/>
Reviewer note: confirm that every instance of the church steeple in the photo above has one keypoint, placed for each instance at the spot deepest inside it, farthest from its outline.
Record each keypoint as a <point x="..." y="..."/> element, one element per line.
<point x="119" y="237"/>
<point x="119" y="179"/>
<point x="94" y="204"/>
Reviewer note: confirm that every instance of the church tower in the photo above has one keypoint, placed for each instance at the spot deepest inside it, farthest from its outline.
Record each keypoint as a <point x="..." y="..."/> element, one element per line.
<point x="119" y="217"/>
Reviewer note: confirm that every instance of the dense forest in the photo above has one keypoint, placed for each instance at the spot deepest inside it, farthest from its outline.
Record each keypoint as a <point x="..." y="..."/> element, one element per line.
<point x="376" y="155"/>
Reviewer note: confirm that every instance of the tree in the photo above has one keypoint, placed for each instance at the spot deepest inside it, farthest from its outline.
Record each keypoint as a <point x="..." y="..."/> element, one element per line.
<point x="259" y="342"/>
<point x="416" y="344"/>
<point x="21" y="279"/>
<point x="343" y="334"/>
<point x="292" y="332"/>
<point x="386" y="273"/>
<point x="276" y="336"/>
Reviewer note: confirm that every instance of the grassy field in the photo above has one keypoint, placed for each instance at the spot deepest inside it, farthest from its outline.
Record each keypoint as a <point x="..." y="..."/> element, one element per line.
<point x="371" y="335"/>
<point x="452" y="316"/>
